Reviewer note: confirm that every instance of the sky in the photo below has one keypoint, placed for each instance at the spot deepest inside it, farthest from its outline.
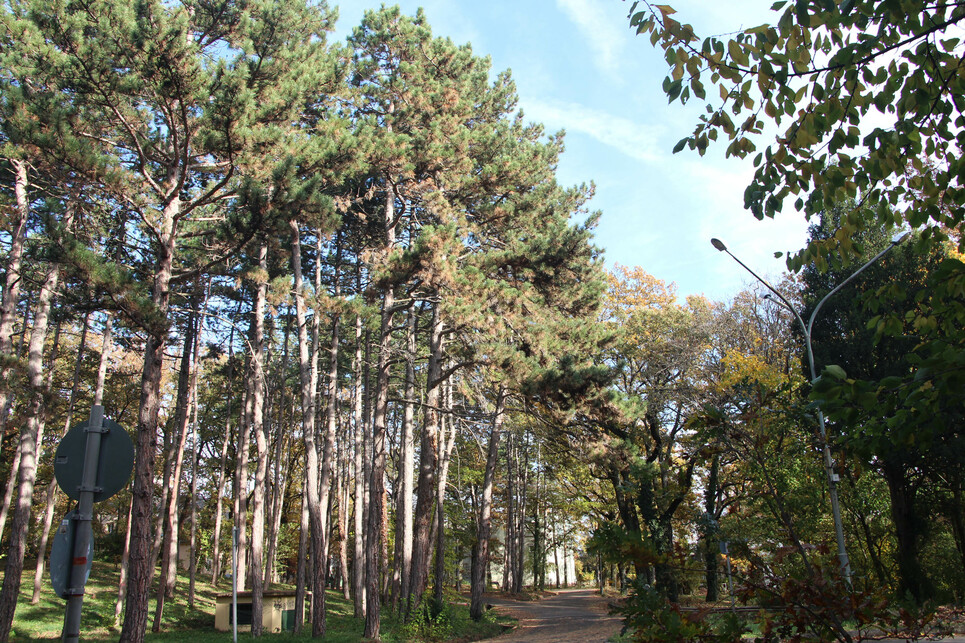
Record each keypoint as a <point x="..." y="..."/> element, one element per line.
<point x="579" y="67"/>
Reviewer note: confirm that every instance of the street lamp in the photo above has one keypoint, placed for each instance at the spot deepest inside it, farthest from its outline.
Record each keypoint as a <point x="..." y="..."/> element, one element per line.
<point x="828" y="464"/>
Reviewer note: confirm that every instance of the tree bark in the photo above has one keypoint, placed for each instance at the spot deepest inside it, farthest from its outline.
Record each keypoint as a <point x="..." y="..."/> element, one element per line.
<point x="556" y="557"/>
<point x="307" y="370"/>
<point x="261" y="440"/>
<point x="331" y="426"/>
<point x="343" y="502"/>
<point x="169" y="546"/>
<point x="282" y="461"/>
<point x="376" y="511"/>
<point x="277" y="503"/>
<point x="223" y="468"/>
<point x="193" y="538"/>
<point x="447" y="442"/>
<point x="480" y="558"/>
<point x="125" y="558"/>
<point x="300" y="573"/>
<point x="31" y="436"/>
<point x="358" y="506"/>
<point x="908" y="527"/>
<point x="403" y="526"/>
<point x="51" y="494"/>
<point x="509" y="544"/>
<point x="11" y="289"/>
<point x="522" y="472"/>
<point x="12" y="478"/>
<point x="140" y="563"/>
<point x="240" y="487"/>
<point x="428" y="466"/>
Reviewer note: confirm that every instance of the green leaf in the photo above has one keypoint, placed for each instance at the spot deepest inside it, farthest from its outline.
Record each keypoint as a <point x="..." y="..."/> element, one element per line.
<point x="835" y="371"/>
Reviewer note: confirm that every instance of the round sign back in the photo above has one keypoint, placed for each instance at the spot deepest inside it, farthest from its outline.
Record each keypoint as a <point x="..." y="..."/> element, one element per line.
<point x="114" y="465"/>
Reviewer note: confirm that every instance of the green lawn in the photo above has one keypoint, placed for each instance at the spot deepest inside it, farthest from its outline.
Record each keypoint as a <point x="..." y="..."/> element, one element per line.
<point x="181" y="623"/>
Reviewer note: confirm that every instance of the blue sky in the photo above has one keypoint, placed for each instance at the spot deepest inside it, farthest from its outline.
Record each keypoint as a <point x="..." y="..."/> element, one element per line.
<point x="579" y="67"/>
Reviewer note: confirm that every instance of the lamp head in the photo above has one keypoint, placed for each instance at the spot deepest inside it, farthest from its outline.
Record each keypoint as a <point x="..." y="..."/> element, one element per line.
<point x="900" y="239"/>
<point x="717" y="243"/>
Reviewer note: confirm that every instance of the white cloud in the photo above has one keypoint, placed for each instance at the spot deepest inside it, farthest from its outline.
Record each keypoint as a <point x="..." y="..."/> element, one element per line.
<point x="604" y="32"/>
<point x="633" y="139"/>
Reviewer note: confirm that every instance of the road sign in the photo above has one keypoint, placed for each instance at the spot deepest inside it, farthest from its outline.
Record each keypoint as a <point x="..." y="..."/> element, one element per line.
<point x="62" y="555"/>
<point x="114" y="465"/>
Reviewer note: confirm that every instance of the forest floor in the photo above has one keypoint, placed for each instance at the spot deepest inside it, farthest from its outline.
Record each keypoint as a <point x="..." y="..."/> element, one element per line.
<point x="44" y="620"/>
<point x="570" y="615"/>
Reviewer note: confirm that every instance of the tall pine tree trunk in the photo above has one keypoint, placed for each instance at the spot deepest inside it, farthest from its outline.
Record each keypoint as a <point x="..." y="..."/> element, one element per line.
<point x="343" y="503"/>
<point x="480" y="554"/>
<point x="403" y="520"/>
<point x="51" y="494"/>
<point x="509" y="546"/>
<point x="240" y="490"/>
<point x="193" y="537"/>
<point x="376" y="512"/>
<point x="261" y="440"/>
<point x="331" y="426"/>
<point x="11" y="290"/>
<point x="140" y="562"/>
<point x="280" y="481"/>
<point x="192" y="546"/>
<point x="301" y="570"/>
<point x="223" y="467"/>
<point x="12" y="477"/>
<point x="125" y="558"/>
<point x="522" y="487"/>
<point x="447" y="442"/>
<point x="169" y="546"/>
<point x="281" y="472"/>
<point x="307" y="369"/>
<point x="358" y="506"/>
<point x="31" y="435"/>
<point x="428" y="466"/>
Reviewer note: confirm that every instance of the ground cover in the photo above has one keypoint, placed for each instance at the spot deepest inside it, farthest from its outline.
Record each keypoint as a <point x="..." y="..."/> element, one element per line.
<point x="44" y="620"/>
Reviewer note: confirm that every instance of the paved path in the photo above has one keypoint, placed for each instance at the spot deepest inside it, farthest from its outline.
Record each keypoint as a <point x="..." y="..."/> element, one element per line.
<point x="572" y="616"/>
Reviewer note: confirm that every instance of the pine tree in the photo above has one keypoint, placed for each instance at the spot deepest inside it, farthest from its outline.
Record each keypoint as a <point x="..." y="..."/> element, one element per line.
<point x="207" y="92"/>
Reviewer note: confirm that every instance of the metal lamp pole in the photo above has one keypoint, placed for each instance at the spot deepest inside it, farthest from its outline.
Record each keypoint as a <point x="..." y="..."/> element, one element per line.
<point x="806" y="328"/>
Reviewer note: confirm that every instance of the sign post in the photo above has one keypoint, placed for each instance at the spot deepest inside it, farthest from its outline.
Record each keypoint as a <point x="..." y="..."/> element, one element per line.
<point x="87" y="479"/>
<point x="234" y="583"/>
<point x="82" y="531"/>
<point x="730" y="582"/>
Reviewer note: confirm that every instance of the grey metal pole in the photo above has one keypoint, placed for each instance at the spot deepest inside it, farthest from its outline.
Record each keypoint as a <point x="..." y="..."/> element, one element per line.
<point x="730" y="580"/>
<point x="234" y="582"/>
<point x="833" y="477"/>
<point x="82" y="533"/>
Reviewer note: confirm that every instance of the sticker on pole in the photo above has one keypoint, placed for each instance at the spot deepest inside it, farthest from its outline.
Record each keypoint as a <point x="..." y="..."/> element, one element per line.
<point x="62" y="556"/>
<point x="114" y="465"/>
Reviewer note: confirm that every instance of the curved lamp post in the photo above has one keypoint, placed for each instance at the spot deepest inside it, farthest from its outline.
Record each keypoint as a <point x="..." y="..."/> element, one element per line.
<point x="806" y="328"/>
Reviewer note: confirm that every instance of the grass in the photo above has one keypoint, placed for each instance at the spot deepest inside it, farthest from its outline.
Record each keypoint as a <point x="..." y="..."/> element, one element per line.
<point x="44" y="621"/>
